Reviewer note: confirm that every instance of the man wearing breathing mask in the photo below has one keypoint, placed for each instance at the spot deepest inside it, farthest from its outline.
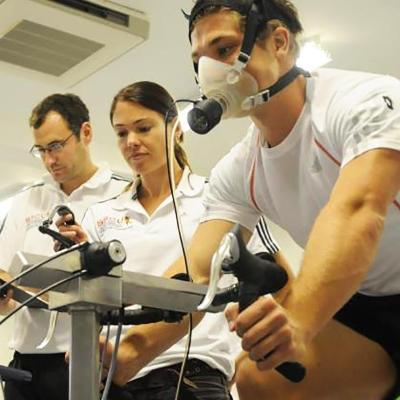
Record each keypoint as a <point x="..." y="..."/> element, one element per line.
<point x="322" y="160"/>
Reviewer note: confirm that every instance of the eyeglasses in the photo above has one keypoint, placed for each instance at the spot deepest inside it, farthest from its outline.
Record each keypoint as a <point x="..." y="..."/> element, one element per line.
<point x="55" y="147"/>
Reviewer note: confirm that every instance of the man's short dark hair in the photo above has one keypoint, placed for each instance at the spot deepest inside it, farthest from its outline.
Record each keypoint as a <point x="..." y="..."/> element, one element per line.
<point x="281" y="11"/>
<point x="69" y="106"/>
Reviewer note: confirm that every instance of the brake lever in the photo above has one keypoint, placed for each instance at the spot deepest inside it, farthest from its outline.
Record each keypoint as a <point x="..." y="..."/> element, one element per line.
<point x="226" y="254"/>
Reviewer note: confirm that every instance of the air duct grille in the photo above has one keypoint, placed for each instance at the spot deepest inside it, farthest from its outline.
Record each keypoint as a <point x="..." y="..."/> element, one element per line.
<point x="45" y="49"/>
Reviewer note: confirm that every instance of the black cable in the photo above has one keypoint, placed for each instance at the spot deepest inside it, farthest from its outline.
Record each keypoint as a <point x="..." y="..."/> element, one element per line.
<point x="36" y="266"/>
<point x="189" y="340"/>
<point x="171" y="183"/>
<point x="42" y="292"/>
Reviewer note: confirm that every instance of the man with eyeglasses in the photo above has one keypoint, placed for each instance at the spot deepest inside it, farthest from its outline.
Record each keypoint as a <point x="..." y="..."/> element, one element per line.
<point x="62" y="135"/>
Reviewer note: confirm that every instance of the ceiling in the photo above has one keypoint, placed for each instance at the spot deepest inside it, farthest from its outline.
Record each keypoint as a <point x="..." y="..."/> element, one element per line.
<point x="359" y="34"/>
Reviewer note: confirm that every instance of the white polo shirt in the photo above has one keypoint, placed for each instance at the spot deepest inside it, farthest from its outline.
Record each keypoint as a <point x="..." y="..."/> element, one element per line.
<point x="20" y="232"/>
<point x="346" y="114"/>
<point x="152" y="245"/>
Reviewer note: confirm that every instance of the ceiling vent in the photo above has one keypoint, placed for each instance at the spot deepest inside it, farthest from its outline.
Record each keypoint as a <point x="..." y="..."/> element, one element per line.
<point x="66" y="41"/>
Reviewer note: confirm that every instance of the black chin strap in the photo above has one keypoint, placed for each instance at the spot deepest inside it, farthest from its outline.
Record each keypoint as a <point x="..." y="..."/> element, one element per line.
<point x="287" y="79"/>
<point x="264" y="95"/>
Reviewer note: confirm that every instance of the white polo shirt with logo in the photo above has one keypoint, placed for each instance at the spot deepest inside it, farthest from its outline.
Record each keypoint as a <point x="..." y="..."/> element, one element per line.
<point x="20" y="232"/>
<point x="152" y="245"/>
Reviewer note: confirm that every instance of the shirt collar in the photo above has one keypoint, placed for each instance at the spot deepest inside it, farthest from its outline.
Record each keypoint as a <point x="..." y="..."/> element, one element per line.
<point x="99" y="178"/>
<point x="190" y="185"/>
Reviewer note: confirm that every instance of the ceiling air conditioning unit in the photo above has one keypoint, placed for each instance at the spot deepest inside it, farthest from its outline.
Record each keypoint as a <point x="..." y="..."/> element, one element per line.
<point x="66" y="41"/>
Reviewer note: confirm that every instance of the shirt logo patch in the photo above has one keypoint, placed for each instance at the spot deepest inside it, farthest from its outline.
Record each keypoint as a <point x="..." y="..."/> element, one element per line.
<point x="35" y="220"/>
<point x="108" y="222"/>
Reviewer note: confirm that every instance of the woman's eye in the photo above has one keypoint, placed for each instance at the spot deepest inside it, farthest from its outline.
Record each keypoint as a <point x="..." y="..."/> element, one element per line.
<point x="144" y="129"/>
<point x="122" y="134"/>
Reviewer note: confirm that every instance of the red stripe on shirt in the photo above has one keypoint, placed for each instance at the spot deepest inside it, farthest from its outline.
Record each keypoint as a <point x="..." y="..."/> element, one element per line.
<point x="326" y="152"/>
<point x="252" y="185"/>
<point x="252" y="177"/>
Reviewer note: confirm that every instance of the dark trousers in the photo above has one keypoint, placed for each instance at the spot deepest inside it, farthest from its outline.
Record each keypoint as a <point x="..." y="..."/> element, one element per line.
<point x="201" y="382"/>
<point x="49" y="378"/>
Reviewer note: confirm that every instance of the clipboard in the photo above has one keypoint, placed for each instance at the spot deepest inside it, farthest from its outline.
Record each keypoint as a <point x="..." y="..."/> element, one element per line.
<point x="21" y="295"/>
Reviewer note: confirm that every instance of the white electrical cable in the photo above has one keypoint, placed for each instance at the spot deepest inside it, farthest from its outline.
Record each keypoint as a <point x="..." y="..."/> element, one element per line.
<point x="113" y="364"/>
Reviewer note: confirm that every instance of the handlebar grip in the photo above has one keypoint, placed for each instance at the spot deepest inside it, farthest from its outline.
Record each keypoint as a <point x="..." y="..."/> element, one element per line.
<point x="248" y="294"/>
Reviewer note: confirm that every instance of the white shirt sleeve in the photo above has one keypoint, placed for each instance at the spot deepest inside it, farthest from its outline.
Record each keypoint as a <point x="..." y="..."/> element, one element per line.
<point x="226" y="195"/>
<point x="262" y="240"/>
<point x="366" y="118"/>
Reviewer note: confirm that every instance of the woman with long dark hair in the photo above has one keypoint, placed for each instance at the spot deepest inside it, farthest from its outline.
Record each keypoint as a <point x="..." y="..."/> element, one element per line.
<point x="143" y="219"/>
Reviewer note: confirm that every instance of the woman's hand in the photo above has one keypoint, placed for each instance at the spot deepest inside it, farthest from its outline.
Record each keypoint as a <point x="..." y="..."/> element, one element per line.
<point x="269" y="334"/>
<point x="71" y="231"/>
<point x="7" y="304"/>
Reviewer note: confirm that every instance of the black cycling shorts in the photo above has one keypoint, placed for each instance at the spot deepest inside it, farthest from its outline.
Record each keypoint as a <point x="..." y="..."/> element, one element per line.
<point x="377" y="318"/>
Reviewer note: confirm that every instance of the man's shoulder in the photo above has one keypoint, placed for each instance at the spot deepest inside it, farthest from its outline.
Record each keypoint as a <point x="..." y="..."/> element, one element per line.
<point x="328" y="83"/>
<point x="240" y="155"/>
<point x="36" y="189"/>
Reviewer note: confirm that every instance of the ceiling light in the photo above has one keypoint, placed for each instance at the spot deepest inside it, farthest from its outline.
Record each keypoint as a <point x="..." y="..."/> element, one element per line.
<point x="312" y="56"/>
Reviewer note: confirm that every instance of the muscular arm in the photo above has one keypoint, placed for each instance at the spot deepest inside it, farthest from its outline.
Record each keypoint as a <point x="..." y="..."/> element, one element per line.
<point x="344" y="239"/>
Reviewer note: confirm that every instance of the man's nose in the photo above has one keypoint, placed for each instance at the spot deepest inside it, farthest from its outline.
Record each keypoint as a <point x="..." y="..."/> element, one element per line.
<point x="48" y="157"/>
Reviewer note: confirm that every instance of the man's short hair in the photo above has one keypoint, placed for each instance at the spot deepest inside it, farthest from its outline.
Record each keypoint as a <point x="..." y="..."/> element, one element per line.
<point x="71" y="108"/>
<point x="284" y="12"/>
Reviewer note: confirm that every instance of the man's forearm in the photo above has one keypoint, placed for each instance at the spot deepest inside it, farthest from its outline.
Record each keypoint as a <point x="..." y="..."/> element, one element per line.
<point x="338" y="255"/>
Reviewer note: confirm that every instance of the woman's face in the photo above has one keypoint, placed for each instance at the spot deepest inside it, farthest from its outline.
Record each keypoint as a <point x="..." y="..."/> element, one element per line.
<point x="141" y="137"/>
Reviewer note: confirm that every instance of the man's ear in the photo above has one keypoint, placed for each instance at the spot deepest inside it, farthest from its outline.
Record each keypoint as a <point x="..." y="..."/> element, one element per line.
<point x="86" y="133"/>
<point x="281" y="40"/>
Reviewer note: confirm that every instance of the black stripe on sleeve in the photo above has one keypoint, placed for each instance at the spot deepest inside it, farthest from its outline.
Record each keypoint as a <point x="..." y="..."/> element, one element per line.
<point x="265" y="236"/>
